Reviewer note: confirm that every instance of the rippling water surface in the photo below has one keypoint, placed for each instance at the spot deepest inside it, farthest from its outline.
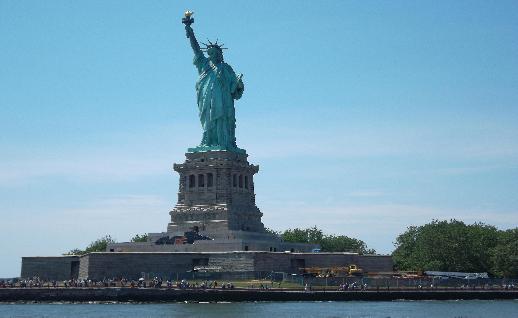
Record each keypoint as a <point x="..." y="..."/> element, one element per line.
<point x="428" y="309"/>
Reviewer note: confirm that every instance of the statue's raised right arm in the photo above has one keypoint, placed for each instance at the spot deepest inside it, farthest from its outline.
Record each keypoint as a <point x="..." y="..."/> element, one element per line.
<point x="194" y="43"/>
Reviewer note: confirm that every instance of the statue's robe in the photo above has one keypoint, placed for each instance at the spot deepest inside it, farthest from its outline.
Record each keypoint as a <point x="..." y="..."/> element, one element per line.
<point x="217" y="87"/>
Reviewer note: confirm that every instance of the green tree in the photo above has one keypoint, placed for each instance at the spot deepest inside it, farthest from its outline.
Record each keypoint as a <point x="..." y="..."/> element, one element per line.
<point x="311" y="235"/>
<point x="98" y="245"/>
<point x="328" y="243"/>
<point x="484" y="239"/>
<point x="342" y="243"/>
<point x="446" y="246"/>
<point x="75" y="251"/>
<point x="296" y="236"/>
<point x="505" y="255"/>
<point x="140" y="238"/>
<point x="273" y="232"/>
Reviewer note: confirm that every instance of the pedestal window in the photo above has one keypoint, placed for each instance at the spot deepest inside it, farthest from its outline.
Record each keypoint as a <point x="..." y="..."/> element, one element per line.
<point x="210" y="180"/>
<point x="201" y="180"/>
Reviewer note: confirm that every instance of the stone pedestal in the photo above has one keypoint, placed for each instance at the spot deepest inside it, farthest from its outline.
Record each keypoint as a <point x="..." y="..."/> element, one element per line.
<point x="216" y="195"/>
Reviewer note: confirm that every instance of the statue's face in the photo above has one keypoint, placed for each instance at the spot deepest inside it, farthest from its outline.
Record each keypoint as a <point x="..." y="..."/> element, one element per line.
<point x="215" y="55"/>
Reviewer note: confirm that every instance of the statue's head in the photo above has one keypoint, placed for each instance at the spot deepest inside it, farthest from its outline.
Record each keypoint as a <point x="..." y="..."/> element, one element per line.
<point x="214" y="51"/>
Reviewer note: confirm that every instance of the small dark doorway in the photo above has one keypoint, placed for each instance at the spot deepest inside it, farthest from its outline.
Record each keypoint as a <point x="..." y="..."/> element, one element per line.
<point x="74" y="269"/>
<point x="200" y="262"/>
<point x="297" y="264"/>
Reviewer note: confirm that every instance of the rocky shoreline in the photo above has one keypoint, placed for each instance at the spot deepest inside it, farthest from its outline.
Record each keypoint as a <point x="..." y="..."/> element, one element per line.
<point x="238" y="295"/>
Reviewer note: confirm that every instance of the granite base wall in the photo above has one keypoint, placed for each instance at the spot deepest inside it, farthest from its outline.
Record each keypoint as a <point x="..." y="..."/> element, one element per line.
<point x="376" y="263"/>
<point x="132" y="265"/>
<point x="50" y="268"/>
<point x="98" y="266"/>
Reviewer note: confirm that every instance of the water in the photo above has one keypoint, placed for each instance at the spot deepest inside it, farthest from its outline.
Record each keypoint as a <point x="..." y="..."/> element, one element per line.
<point x="397" y="309"/>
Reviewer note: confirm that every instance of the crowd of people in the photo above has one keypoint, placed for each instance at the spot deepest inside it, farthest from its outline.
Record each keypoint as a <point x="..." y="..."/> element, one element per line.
<point x="353" y="286"/>
<point x="156" y="282"/>
<point x="7" y="283"/>
<point x="184" y="284"/>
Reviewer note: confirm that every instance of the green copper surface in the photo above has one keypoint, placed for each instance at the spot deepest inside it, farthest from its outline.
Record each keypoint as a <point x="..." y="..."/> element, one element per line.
<point x="216" y="89"/>
<point x="215" y="148"/>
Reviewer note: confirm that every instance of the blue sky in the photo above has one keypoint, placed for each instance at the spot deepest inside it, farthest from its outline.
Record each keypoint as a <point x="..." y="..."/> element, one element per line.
<point x="364" y="116"/>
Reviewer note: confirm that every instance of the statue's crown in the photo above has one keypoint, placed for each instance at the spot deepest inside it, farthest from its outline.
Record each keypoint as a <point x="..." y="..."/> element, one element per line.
<point x="213" y="45"/>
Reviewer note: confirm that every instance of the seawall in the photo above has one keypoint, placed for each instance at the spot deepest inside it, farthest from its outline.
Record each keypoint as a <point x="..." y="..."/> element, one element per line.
<point x="238" y="295"/>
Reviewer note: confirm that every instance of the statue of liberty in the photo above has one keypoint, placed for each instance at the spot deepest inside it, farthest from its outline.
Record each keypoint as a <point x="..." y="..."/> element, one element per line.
<point x="217" y="88"/>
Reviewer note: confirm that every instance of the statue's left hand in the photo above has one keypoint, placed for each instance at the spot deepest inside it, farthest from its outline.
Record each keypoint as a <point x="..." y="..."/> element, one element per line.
<point x="240" y="87"/>
<point x="240" y="84"/>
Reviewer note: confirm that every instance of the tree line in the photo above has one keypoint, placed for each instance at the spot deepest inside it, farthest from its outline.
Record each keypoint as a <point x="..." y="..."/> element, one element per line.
<point x="458" y="247"/>
<point x="100" y="244"/>
<point x="327" y="242"/>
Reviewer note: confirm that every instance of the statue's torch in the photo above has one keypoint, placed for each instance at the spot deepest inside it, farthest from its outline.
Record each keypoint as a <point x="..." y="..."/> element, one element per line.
<point x="188" y="19"/>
